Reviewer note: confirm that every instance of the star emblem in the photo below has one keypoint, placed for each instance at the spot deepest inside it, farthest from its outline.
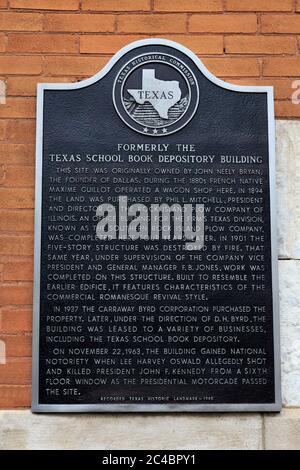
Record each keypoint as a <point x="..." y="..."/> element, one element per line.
<point x="154" y="131"/>
<point x="145" y="129"/>
<point x="164" y="130"/>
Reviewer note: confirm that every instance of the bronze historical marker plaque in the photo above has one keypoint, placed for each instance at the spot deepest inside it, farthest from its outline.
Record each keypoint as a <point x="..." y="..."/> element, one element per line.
<point x="155" y="247"/>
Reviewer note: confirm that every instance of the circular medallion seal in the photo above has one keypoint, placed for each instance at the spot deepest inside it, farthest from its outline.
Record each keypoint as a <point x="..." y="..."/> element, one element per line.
<point x="156" y="94"/>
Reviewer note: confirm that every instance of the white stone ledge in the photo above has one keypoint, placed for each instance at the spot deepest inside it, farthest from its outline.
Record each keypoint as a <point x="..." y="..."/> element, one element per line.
<point x="282" y="432"/>
<point x="24" y="430"/>
<point x="288" y="187"/>
<point x="27" y="431"/>
<point x="289" y="293"/>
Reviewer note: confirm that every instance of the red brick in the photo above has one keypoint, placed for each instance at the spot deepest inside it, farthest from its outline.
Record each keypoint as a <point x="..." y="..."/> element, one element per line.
<point x="298" y="5"/>
<point x="16" y="320"/>
<point x="233" y="67"/>
<point x="13" y="198"/>
<point x="21" y="131"/>
<point x="16" y="245"/>
<point x="18" y="271"/>
<point x="17" y="345"/>
<point x="27" y="86"/>
<point x="22" y="176"/>
<point x="223" y="23"/>
<point x="16" y="220"/>
<point x="2" y="42"/>
<point x="2" y="174"/>
<point x="286" y="109"/>
<point x="19" y="42"/>
<point x="258" y="5"/>
<point x="282" y="87"/>
<point x="18" y="108"/>
<point x="281" y="67"/>
<point x="16" y="372"/>
<point x="16" y="294"/>
<point x="3" y="129"/>
<point x="15" y="396"/>
<point x="45" y="4"/>
<point x="188" y="5"/>
<point x="116" y="5"/>
<point x="64" y="65"/>
<point x="21" y="65"/>
<point x="17" y="154"/>
<point x="105" y="44"/>
<point x="200" y="44"/>
<point x="21" y="21"/>
<point x="110" y="44"/>
<point x="259" y="45"/>
<point x="169" y="23"/>
<point x="284" y="24"/>
<point x="79" y="23"/>
<point x="3" y="3"/>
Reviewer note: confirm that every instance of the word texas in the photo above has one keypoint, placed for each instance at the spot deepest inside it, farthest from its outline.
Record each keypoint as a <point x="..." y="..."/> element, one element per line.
<point x="139" y="222"/>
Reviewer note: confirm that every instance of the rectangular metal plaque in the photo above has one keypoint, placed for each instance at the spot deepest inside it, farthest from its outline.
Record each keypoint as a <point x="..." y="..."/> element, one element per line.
<point x="155" y="240"/>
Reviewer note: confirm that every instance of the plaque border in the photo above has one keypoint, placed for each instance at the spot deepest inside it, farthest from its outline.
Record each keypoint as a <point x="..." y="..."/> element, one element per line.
<point x="234" y="407"/>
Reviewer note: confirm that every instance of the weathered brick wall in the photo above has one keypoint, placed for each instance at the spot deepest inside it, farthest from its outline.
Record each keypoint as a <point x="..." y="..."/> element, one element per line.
<point x="242" y="41"/>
